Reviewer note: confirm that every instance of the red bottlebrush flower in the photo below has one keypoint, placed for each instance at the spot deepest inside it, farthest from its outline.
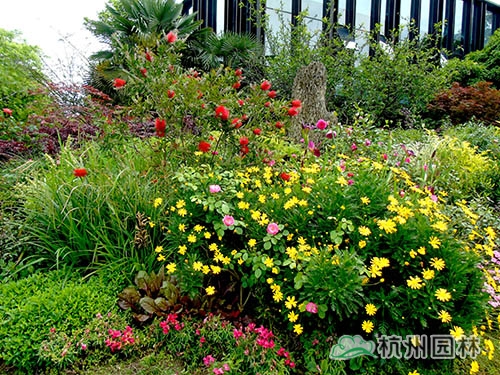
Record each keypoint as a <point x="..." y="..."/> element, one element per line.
<point x="171" y="37"/>
<point x="144" y="72"/>
<point x="266" y="85"/>
<point x="293" y="111"/>
<point x="243" y="141"/>
<point x="296" y="103"/>
<point x="285" y="176"/>
<point x="200" y="95"/>
<point x="244" y="117"/>
<point x="119" y="83"/>
<point x="170" y="94"/>
<point x="238" y="72"/>
<point x="222" y="113"/>
<point x="257" y="131"/>
<point x="160" y="126"/>
<point x="236" y="122"/>
<point x="204" y="146"/>
<point x="148" y="56"/>
<point x="236" y="85"/>
<point x="241" y="102"/>
<point x="267" y="104"/>
<point x="80" y="172"/>
<point x="272" y="94"/>
<point x="7" y="111"/>
<point x="279" y="124"/>
<point x="244" y="150"/>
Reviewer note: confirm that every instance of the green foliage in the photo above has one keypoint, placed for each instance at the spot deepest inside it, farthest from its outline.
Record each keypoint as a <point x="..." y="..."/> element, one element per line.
<point x="98" y="220"/>
<point x="20" y="74"/>
<point x="31" y="309"/>
<point x="489" y="60"/>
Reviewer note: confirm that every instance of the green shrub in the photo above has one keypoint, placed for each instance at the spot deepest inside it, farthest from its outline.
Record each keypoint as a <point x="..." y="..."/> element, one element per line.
<point x="35" y="307"/>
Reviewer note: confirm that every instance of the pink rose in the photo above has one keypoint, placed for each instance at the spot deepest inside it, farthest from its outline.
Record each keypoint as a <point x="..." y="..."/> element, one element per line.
<point x="273" y="228"/>
<point x="321" y="124"/>
<point x="215" y="189"/>
<point x="312" y="307"/>
<point x="228" y="220"/>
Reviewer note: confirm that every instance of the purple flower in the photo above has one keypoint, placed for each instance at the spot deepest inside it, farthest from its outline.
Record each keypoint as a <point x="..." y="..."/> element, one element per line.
<point x="273" y="228"/>
<point x="228" y="220"/>
<point x="215" y="189"/>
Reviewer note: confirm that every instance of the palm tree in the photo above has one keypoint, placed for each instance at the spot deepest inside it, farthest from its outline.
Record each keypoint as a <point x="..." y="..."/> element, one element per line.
<point x="127" y="24"/>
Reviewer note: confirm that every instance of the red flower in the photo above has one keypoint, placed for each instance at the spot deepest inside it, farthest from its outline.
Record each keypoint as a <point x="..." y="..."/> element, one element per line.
<point x="160" y="126"/>
<point x="236" y="85"/>
<point x="149" y="57"/>
<point x="279" y="124"/>
<point x="241" y="102"/>
<point x="267" y="104"/>
<point x="236" y="122"/>
<point x="200" y="95"/>
<point x="119" y="82"/>
<point x="170" y="93"/>
<point x="257" y="131"/>
<point x="243" y="141"/>
<point x="171" y="37"/>
<point x="293" y="111"/>
<point x="272" y="94"/>
<point x="80" y="172"/>
<point x="245" y="150"/>
<point x="7" y="111"/>
<point x="238" y="72"/>
<point x="266" y="85"/>
<point x="222" y="113"/>
<point x="296" y="103"/>
<point x="144" y="72"/>
<point x="244" y="117"/>
<point x="204" y="146"/>
<point x="285" y="176"/>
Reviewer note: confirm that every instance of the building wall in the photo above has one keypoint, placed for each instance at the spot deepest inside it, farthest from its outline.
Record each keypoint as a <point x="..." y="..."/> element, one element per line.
<point x="466" y="25"/>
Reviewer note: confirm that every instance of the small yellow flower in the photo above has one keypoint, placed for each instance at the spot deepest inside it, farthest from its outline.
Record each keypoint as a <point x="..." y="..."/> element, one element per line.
<point x="151" y="224"/>
<point x="457" y="332"/>
<point x="413" y="253"/>
<point x="389" y="226"/>
<point x="438" y="263"/>
<point x="275" y="270"/>
<point x="442" y="295"/>
<point x="444" y="316"/>
<point x="367" y="326"/>
<point x="290" y="302"/>
<point x="428" y="274"/>
<point x="414" y="282"/>
<point x="182" y="249"/>
<point x="207" y="235"/>
<point x="159" y="249"/>
<point x="180" y="203"/>
<point x="364" y="231"/>
<point x="435" y="242"/>
<point x="157" y="202"/>
<point x="205" y="269"/>
<point x="243" y="205"/>
<point x="191" y="238"/>
<point x="362" y="244"/>
<point x="182" y="227"/>
<point x="262" y="198"/>
<point x="240" y="195"/>
<point x="198" y="228"/>
<point x="297" y="328"/>
<point x="161" y="258"/>
<point x="171" y="267"/>
<point x="269" y="280"/>
<point x="240" y="261"/>
<point x="182" y="212"/>
<point x="421" y="250"/>
<point x="292" y="317"/>
<point x="474" y="367"/>
<point x="215" y="269"/>
<point x="252" y="242"/>
<point x="268" y="262"/>
<point x="365" y="200"/>
<point x="414" y="372"/>
<point x="278" y="295"/>
<point x="210" y="290"/>
<point x="197" y="266"/>
<point x="371" y="309"/>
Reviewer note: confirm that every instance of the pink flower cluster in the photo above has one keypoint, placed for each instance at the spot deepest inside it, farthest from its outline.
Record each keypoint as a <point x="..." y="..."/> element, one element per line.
<point x="171" y="320"/>
<point x="288" y="361"/>
<point x="119" y="339"/>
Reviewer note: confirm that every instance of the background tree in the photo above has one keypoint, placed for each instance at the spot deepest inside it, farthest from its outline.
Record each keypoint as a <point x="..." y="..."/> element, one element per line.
<point x="20" y="72"/>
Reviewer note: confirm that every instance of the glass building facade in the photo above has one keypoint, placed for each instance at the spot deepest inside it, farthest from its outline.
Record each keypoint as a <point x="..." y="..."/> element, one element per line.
<point x="466" y="24"/>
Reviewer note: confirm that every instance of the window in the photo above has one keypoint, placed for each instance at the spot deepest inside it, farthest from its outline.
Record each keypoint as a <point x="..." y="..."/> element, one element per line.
<point x="342" y="11"/>
<point x="424" y="17"/>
